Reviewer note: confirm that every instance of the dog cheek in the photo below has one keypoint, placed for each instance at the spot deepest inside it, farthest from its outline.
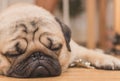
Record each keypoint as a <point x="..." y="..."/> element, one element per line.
<point x="4" y="65"/>
<point x="64" y="58"/>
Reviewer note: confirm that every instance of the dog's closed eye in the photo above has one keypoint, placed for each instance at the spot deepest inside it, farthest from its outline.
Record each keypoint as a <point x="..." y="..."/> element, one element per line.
<point x="16" y="49"/>
<point x="51" y="42"/>
<point x="53" y="45"/>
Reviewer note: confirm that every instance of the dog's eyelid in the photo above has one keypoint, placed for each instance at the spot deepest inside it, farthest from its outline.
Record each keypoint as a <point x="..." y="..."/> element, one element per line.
<point x="15" y="52"/>
<point x="18" y="48"/>
<point x="56" y="48"/>
<point x="21" y="45"/>
<point x="11" y="55"/>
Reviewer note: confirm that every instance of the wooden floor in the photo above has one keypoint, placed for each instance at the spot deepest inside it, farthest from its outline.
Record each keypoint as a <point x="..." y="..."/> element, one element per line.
<point x="76" y="74"/>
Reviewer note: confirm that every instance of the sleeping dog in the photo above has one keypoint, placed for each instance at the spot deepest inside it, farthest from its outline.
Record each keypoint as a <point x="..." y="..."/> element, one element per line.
<point x="34" y="43"/>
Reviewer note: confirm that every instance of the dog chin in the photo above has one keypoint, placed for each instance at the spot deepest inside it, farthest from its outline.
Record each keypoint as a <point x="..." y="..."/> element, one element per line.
<point x="36" y="65"/>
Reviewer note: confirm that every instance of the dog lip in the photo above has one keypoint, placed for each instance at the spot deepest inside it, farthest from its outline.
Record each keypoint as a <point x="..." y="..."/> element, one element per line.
<point x="40" y="71"/>
<point x="47" y="65"/>
<point x="36" y="65"/>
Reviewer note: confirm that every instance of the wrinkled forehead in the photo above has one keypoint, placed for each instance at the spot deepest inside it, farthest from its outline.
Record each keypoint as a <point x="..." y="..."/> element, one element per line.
<point x="29" y="18"/>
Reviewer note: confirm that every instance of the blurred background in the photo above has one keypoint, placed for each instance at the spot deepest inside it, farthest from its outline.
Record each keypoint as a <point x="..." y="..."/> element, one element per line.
<point x="94" y="23"/>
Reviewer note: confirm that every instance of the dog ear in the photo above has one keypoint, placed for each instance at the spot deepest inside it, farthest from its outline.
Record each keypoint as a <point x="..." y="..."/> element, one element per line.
<point x="66" y="32"/>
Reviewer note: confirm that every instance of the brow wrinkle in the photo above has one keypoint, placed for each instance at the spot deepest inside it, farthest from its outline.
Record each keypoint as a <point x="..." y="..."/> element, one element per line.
<point x="24" y="26"/>
<point x="34" y="33"/>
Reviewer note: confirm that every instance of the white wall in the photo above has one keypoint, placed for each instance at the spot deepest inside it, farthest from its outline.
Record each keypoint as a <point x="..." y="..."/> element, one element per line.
<point x="5" y="3"/>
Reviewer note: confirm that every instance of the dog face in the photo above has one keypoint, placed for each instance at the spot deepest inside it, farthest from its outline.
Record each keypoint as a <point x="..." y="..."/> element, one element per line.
<point x="33" y="43"/>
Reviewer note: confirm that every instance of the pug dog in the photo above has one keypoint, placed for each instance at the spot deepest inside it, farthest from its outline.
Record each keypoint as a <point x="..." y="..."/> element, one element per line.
<point x="34" y="43"/>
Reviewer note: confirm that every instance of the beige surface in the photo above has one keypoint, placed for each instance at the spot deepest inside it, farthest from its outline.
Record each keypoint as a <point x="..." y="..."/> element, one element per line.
<point x="76" y="74"/>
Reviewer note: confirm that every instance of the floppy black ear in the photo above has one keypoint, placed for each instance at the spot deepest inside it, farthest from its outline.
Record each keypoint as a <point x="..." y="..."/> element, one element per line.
<point x="66" y="32"/>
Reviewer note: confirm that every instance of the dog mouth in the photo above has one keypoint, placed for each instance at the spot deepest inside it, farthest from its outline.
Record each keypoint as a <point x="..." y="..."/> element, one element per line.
<point x="36" y="65"/>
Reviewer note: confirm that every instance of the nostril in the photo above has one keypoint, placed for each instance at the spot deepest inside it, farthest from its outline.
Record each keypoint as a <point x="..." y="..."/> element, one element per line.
<point x="36" y="55"/>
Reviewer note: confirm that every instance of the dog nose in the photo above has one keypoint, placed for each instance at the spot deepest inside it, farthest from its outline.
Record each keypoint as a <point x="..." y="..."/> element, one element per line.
<point x="36" y="65"/>
<point x="36" y="55"/>
<point x="47" y="66"/>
